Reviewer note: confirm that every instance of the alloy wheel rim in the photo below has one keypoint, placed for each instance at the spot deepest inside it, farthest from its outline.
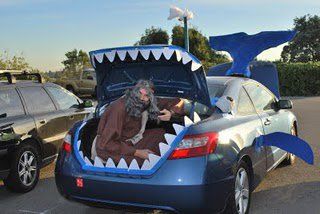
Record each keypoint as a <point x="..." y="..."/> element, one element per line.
<point x="27" y="168"/>
<point x="242" y="191"/>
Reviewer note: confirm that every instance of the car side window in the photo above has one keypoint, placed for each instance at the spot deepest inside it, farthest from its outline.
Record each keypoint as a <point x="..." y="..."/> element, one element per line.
<point x="261" y="98"/>
<point x="245" y="106"/>
<point x="10" y="103"/>
<point x="37" y="100"/>
<point x="86" y="75"/>
<point x="63" y="97"/>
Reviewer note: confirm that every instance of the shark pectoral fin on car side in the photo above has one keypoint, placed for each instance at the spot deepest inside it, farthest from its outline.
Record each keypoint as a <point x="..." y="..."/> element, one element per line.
<point x="289" y="143"/>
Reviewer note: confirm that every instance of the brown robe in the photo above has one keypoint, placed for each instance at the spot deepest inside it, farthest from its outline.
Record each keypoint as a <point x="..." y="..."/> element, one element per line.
<point x="116" y="126"/>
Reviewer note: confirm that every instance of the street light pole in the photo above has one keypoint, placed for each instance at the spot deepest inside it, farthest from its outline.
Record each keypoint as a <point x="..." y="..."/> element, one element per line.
<point x="186" y="34"/>
<point x="182" y="15"/>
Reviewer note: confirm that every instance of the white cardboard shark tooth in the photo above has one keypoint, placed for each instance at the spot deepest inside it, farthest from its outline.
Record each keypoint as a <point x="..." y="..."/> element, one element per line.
<point x="78" y="144"/>
<point x="98" y="162"/>
<point x="122" y="164"/>
<point x="133" y="54"/>
<point x="153" y="159"/>
<point x="196" y="117"/>
<point x="134" y="164"/>
<point x="145" y="53"/>
<point x="81" y="154"/>
<point x="111" y="55"/>
<point x="122" y="54"/>
<point x="195" y="66"/>
<point x="169" y="138"/>
<point x="110" y="163"/>
<point x="186" y="58"/>
<point x="177" y="128"/>
<point x="178" y="53"/>
<point x="146" y="165"/>
<point x="157" y="53"/>
<point x="87" y="161"/>
<point x="99" y="57"/>
<point x="163" y="148"/>
<point x="167" y="52"/>
<point x="187" y="121"/>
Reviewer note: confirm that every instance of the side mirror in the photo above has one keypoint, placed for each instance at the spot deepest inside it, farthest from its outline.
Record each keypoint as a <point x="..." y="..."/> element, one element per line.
<point x="90" y="77"/>
<point x="284" y="104"/>
<point x="86" y="104"/>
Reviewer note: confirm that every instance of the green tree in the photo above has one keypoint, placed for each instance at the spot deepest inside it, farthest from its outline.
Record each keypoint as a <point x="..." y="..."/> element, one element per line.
<point x="75" y="62"/>
<point x="16" y="62"/>
<point x="305" y="47"/>
<point x="199" y="46"/>
<point x="154" y="36"/>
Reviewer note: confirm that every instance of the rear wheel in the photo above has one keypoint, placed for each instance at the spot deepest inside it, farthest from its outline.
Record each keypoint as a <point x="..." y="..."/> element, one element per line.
<point x="290" y="159"/>
<point x="239" y="202"/>
<point x="25" y="168"/>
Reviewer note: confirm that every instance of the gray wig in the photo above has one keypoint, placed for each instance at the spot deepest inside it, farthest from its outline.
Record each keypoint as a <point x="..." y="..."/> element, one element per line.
<point x="135" y="106"/>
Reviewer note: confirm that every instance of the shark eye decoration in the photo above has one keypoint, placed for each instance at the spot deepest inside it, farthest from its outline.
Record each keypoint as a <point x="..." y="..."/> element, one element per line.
<point x="148" y="167"/>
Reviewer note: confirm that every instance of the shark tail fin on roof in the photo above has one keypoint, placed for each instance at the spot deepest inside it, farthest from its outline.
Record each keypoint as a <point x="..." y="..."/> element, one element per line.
<point x="243" y="48"/>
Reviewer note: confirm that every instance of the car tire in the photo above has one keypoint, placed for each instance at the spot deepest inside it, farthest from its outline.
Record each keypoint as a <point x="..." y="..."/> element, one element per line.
<point x="25" y="161"/>
<point x="241" y="196"/>
<point x="290" y="159"/>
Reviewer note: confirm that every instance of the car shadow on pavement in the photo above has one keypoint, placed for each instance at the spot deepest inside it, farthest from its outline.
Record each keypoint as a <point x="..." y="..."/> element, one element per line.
<point x="43" y="199"/>
<point x="296" y="198"/>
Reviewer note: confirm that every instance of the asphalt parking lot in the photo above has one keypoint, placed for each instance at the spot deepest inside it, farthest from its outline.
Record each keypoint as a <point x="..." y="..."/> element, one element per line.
<point x="293" y="189"/>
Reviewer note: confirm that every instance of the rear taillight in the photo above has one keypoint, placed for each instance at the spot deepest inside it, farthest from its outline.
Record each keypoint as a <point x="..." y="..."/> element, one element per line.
<point x="195" y="145"/>
<point x="66" y="146"/>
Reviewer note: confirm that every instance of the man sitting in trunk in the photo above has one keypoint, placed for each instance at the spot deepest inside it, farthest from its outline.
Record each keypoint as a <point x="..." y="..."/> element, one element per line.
<point x="121" y="131"/>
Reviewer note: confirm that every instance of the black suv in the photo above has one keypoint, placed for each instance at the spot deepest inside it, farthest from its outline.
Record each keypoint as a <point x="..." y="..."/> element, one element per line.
<point x="34" y="118"/>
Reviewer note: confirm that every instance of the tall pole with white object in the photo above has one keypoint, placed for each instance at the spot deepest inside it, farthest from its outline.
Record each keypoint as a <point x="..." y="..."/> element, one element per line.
<point x="184" y="16"/>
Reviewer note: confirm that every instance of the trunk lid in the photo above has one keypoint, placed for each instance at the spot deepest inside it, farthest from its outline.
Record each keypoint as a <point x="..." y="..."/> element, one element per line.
<point x="174" y="71"/>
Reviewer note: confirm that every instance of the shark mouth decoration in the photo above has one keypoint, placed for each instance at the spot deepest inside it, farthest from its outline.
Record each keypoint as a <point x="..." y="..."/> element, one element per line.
<point x="145" y="53"/>
<point x="149" y="166"/>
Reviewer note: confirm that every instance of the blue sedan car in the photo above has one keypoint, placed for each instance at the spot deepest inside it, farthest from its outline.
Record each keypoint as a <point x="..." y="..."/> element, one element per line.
<point x="210" y="162"/>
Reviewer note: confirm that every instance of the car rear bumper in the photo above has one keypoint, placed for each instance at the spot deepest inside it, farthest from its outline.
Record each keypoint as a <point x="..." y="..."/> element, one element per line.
<point x="184" y="190"/>
<point x="182" y="199"/>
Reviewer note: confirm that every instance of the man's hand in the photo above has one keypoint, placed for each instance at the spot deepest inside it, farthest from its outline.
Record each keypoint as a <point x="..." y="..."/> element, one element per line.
<point x="143" y="153"/>
<point x="166" y="115"/>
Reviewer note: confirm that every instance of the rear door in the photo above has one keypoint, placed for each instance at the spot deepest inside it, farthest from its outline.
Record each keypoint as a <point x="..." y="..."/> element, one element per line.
<point x="264" y="102"/>
<point x="14" y="122"/>
<point x="68" y="103"/>
<point x="250" y="125"/>
<point x="51" y="125"/>
<point x="86" y="82"/>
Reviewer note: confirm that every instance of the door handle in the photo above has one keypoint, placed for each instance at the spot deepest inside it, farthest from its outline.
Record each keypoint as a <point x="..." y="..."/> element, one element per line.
<point x="267" y="122"/>
<point x="43" y="121"/>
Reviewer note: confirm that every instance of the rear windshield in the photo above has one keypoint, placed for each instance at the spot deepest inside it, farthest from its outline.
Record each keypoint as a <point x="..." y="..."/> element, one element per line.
<point x="216" y="90"/>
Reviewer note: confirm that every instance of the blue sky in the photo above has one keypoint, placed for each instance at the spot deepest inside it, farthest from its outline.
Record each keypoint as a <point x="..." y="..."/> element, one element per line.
<point x="43" y="30"/>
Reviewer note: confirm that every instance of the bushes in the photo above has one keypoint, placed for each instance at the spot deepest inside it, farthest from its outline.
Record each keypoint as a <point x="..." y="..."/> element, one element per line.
<point x="299" y="79"/>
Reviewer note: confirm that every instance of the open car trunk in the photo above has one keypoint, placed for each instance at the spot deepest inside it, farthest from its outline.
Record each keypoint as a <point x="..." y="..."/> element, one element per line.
<point x="89" y="132"/>
<point x="174" y="73"/>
